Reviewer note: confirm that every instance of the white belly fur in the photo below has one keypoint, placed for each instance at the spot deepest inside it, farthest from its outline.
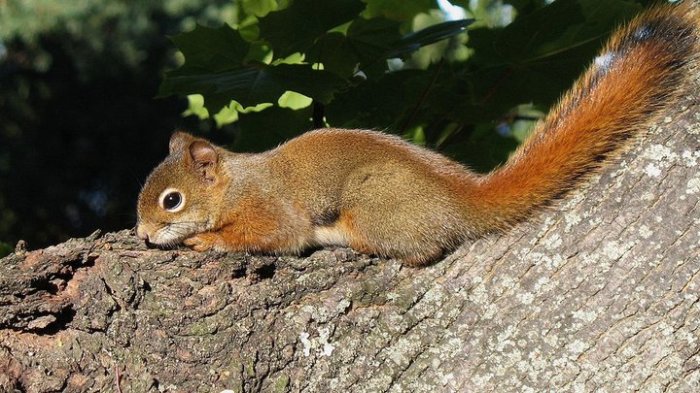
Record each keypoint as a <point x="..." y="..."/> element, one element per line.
<point x="330" y="236"/>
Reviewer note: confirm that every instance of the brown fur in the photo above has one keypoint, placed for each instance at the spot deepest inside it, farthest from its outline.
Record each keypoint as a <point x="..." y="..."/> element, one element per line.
<point x="381" y="195"/>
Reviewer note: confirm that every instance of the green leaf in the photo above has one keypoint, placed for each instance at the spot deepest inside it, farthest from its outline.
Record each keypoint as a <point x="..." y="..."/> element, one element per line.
<point x="398" y="10"/>
<point x="254" y="84"/>
<point x="294" y="100"/>
<point x="271" y="126"/>
<point x="211" y="49"/>
<point x="369" y="42"/>
<point x="259" y="8"/>
<point x="295" y="29"/>
<point x="334" y="52"/>
<point x="378" y="103"/>
<point x="372" y="38"/>
<point x="427" y="36"/>
<point x="366" y="42"/>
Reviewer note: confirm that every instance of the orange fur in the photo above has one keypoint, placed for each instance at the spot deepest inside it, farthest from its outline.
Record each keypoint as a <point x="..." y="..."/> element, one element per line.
<point x="355" y="238"/>
<point x="384" y="196"/>
<point x="252" y="226"/>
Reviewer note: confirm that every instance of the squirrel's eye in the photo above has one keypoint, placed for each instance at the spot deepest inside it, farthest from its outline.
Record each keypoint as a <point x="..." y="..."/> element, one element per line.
<point x="172" y="200"/>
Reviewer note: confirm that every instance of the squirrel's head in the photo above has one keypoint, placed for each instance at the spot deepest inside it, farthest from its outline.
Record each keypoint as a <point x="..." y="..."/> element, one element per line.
<point x="181" y="197"/>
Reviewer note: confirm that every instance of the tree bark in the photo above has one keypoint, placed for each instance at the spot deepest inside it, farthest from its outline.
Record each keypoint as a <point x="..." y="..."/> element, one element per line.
<point x="597" y="293"/>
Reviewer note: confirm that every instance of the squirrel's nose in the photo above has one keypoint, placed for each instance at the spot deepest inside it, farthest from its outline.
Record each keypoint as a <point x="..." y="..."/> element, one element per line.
<point x="142" y="233"/>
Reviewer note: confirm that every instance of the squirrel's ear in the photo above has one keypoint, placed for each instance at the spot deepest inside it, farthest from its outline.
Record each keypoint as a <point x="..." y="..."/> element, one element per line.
<point x="179" y="141"/>
<point x="204" y="159"/>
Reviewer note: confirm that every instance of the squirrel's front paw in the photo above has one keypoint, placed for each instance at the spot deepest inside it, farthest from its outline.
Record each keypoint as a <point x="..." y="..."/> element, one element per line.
<point x="201" y="241"/>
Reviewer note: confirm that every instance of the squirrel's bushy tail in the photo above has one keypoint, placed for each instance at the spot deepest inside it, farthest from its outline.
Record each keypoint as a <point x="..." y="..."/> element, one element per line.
<point x="637" y="74"/>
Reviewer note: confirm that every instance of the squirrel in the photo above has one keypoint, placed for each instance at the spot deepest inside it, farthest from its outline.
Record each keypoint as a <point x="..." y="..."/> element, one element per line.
<point x="381" y="195"/>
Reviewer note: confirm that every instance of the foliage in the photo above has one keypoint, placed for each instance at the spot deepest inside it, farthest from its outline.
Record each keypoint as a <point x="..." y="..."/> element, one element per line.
<point x="361" y="64"/>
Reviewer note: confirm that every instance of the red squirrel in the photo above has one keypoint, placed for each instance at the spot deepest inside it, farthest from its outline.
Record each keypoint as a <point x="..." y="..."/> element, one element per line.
<point x="381" y="195"/>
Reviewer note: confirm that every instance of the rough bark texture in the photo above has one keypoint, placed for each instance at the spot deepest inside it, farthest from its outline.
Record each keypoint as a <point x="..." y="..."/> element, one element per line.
<point x="598" y="293"/>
